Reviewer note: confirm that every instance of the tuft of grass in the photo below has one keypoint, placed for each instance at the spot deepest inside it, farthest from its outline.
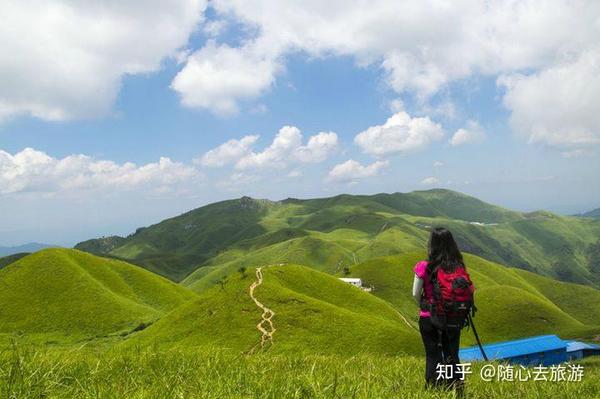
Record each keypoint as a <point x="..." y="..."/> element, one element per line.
<point x="137" y="374"/>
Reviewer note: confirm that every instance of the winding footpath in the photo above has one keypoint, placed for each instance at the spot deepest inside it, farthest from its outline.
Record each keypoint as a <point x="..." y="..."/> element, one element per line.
<point x="265" y="326"/>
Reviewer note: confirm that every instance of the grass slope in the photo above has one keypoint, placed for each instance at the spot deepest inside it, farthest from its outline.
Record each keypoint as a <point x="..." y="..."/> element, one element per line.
<point x="7" y="260"/>
<point x="512" y="303"/>
<point x="315" y="313"/>
<point x="332" y="233"/>
<point x="73" y="294"/>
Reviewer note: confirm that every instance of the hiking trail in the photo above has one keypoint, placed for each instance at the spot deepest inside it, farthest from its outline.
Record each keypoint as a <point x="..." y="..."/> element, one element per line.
<point x="265" y="326"/>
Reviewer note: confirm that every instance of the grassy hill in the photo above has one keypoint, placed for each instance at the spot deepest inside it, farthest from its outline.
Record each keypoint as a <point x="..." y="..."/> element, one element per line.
<point x="512" y="303"/>
<point x="315" y="313"/>
<point x="71" y="294"/>
<point x="7" y="260"/>
<point x="332" y="233"/>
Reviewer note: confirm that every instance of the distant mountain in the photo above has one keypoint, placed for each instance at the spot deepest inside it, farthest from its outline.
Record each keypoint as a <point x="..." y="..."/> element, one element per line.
<point x="329" y="234"/>
<point x="594" y="214"/>
<point x="31" y="247"/>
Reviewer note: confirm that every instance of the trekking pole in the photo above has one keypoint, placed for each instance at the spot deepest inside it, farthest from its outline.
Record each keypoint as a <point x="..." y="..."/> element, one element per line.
<point x="477" y="338"/>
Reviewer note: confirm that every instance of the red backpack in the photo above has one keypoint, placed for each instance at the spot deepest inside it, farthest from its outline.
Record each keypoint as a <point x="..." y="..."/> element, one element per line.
<point x="452" y="297"/>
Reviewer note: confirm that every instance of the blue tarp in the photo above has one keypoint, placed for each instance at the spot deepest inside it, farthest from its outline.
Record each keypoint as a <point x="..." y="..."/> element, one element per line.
<point x="577" y="346"/>
<point x="543" y="349"/>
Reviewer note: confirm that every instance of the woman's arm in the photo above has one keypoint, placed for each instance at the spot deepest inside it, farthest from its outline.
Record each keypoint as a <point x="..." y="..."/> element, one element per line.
<point x="417" y="287"/>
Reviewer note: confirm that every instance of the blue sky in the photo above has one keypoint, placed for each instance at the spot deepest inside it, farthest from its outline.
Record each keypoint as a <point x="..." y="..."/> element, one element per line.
<point x="512" y="126"/>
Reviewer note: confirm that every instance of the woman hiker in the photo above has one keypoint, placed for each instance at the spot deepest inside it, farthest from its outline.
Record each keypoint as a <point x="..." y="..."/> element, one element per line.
<point x="444" y="292"/>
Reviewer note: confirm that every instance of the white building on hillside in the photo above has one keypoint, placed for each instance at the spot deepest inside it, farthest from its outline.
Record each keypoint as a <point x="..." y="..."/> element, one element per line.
<point x="357" y="282"/>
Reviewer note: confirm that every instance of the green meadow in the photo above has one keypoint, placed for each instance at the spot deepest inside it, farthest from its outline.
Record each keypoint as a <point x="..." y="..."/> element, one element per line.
<point x="85" y="373"/>
<point x="168" y="312"/>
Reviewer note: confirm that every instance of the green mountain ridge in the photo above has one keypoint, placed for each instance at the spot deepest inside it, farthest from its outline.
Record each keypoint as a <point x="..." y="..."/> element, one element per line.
<point x="317" y="313"/>
<point x="74" y="295"/>
<point x="332" y="233"/>
<point x="64" y="296"/>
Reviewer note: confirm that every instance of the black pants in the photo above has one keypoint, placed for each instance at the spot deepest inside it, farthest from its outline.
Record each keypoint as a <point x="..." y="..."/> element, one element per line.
<point x="446" y="353"/>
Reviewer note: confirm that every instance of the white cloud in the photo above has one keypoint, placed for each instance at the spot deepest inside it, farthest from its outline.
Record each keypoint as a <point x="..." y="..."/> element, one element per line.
<point x="216" y="77"/>
<point x="557" y="106"/>
<point x="430" y="181"/>
<point x="437" y="164"/>
<point x="277" y="154"/>
<point x="65" y="59"/>
<point x="35" y="171"/>
<point x="227" y="152"/>
<point x="400" y="133"/>
<point x="287" y="148"/>
<point x="396" y="105"/>
<point x="318" y="148"/>
<point x="352" y="170"/>
<point x="214" y="28"/>
<point x="420" y="46"/>
<point x="472" y="133"/>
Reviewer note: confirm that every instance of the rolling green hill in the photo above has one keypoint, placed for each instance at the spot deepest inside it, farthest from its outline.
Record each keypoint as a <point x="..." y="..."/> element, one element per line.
<point x="7" y="260"/>
<point x="332" y="233"/>
<point x="512" y="303"/>
<point x="314" y="312"/>
<point x="74" y="295"/>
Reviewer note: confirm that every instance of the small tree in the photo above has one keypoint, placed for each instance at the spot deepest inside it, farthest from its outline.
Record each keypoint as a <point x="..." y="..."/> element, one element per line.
<point x="242" y="271"/>
<point x="346" y="271"/>
<point x="222" y="281"/>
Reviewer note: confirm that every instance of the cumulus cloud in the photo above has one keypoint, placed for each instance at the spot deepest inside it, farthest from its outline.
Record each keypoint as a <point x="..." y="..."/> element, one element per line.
<point x="412" y="43"/>
<point x="318" y="148"/>
<point x="286" y="148"/>
<point x="227" y="152"/>
<point x="217" y="77"/>
<point x="65" y="59"/>
<point x="352" y="170"/>
<point x="35" y="171"/>
<point x="430" y="181"/>
<point x="557" y="106"/>
<point x="472" y="133"/>
<point x="399" y="134"/>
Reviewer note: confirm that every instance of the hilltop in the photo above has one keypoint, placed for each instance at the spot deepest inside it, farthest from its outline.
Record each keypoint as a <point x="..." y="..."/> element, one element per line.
<point x="332" y="233"/>
<point x="314" y="313"/>
<point x="73" y="295"/>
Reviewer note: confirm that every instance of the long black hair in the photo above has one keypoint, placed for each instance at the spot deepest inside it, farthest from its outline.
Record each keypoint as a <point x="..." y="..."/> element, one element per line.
<point x="443" y="251"/>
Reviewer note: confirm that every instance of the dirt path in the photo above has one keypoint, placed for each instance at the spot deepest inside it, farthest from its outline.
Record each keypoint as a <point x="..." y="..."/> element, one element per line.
<point x="406" y="321"/>
<point x="265" y="326"/>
